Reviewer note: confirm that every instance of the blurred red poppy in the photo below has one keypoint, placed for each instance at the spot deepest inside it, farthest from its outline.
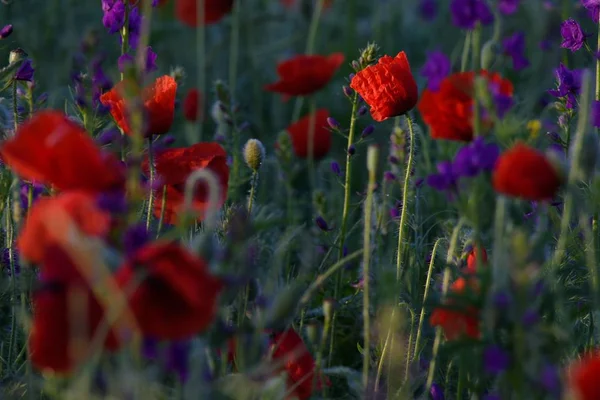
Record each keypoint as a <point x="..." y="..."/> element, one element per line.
<point x="214" y="10"/>
<point x="177" y="296"/>
<point x="305" y="74"/>
<point x="300" y="130"/>
<point x="458" y="322"/>
<point x="526" y="173"/>
<point x="66" y="316"/>
<point x="388" y="87"/>
<point x="472" y="259"/>
<point x="55" y="151"/>
<point x="293" y="357"/>
<point x="190" y="104"/>
<point x="449" y="111"/>
<point x="36" y="235"/>
<point x="583" y="377"/>
<point x="173" y="167"/>
<point x="158" y="104"/>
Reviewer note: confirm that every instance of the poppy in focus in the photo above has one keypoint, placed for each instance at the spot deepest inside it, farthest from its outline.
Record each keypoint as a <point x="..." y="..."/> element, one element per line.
<point x="214" y="10"/>
<point x="52" y="150"/>
<point x="290" y="352"/>
<point x="305" y="74"/>
<point x="190" y="105"/>
<point x="388" y="87"/>
<point x="158" y="104"/>
<point x="177" y="297"/>
<point x="299" y="133"/>
<point x="37" y="234"/>
<point x="583" y="377"/>
<point x="449" y="111"/>
<point x="173" y="167"/>
<point x="472" y="259"/>
<point x="526" y="173"/>
<point x="458" y="321"/>
<point x="66" y="316"/>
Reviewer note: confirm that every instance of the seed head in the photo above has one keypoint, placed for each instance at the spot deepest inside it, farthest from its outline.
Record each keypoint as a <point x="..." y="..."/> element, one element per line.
<point x="254" y="154"/>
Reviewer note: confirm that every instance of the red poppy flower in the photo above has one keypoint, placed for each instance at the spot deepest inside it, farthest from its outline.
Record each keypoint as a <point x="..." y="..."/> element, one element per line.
<point x="36" y="235"/>
<point x="457" y="323"/>
<point x="214" y="10"/>
<point x="388" y="87"/>
<point x="472" y="259"/>
<point x="303" y="75"/>
<point x="449" y="111"/>
<point x="290" y="351"/>
<point x="159" y="105"/>
<point x="583" y="378"/>
<point x="190" y="105"/>
<point x="177" y="297"/>
<point x="175" y="165"/>
<point x="300" y="130"/>
<point x="55" y="151"/>
<point x="66" y="316"/>
<point x="526" y="173"/>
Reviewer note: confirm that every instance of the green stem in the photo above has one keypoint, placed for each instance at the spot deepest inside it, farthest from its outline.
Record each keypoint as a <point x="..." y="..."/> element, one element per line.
<point x="163" y="205"/>
<point x="345" y="210"/>
<point x="372" y="158"/>
<point x="427" y="285"/>
<point x="465" y="53"/>
<point x="201" y="64"/>
<point x="475" y="66"/>
<point x="234" y="46"/>
<point x="13" y="280"/>
<point x="253" y="182"/>
<point x="15" y="105"/>
<point x="311" y="145"/>
<point x="310" y="45"/>
<point x="595" y="230"/>
<point x="408" y="169"/>
<point x="151" y="167"/>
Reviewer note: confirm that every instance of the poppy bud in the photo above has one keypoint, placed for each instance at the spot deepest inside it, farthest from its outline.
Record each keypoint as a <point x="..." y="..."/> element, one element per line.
<point x="328" y="308"/>
<point x="190" y="105"/>
<point x="17" y="55"/>
<point x="217" y="113"/>
<point x="488" y="54"/>
<point x="254" y="154"/>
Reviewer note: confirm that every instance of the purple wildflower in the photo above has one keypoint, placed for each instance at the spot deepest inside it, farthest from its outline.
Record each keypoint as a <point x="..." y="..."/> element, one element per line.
<point x="466" y="13"/>
<point x="114" y="15"/>
<point x="135" y="24"/>
<point x="437" y="393"/>
<point x="333" y="124"/>
<point x="572" y="35"/>
<point x="369" y="129"/>
<point x="502" y="102"/>
<point x="107" y="137"/>
<point x="135" y="237"/>
<point x="569" y="85"/>
<point x="36" y="190"/>
<point x="475" y="158"/>
<point x="508" y="7"/>
<point x="593" y="7"/>
<point x="335" y="168"/>
<point x="435" y="69"/>
<point x="126" y="60"/>
<point x="550" y="379"/>
<point x="177" y="360"/>
<point x="25" y="71"/>
<point x="6" y="31"/>
<point x="495" y="360"/>
<point x="389" y="176"/>
<point x="322" y="224"/>
<point x="113" y="202"/>
<point x="596" y="114"/>
<point x="514" y="47"/>
<point x="445" y="179"/>
<point x="5" y="261"/>
<point x="428" y="9"/>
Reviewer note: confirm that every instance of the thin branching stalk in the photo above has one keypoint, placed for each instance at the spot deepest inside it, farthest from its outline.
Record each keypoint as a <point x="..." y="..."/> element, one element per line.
<point x="234" y="46"/>
<point x="253" y="183"/>
<point x="163" y="205"/>
<point x="151" y="167"/>
<point x="465" y="53"/>
<point x="475" y="66"/>
<point x="595" y="228"/>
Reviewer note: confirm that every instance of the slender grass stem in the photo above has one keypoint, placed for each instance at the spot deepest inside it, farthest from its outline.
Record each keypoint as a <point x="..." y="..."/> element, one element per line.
<point x="465" y="53"/>
<point x="253" y="183"/>
<point x="311" y="146"/>
<point x="152" y="169"/>
<point x="200" y="65"/>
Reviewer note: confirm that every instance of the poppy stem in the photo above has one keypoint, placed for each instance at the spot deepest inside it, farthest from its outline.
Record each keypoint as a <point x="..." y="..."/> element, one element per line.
<point x="201" y="65"/>
<point x="475" y="66"/>
<point x="595" y="231"/>
<point x="345" y="210"/>
<point x="465" y="53"/>
<point x="253" y="183"/>
<point x="311" y="146"/>
<point x="151" y="167"/>
<point x="234" y="46"/>
<point x="372" y="159"/>
<point x="163" y="205"/>
<point x="408" y="170"/>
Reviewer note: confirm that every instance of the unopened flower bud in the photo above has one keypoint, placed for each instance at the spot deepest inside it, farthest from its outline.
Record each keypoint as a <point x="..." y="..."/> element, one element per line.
<point x="367" y="131"/>
<point x="254" y="154"/>
<point x="217" y="113"/>
<point x="335" y="168"/>
<point x="362" y="111"/>
<point x="351" y="150"/>
<point x="17" y="55"/>
<point x="322" y="224"/>
<point x="312" y="333"/>
<point x="6" y="31"/>
<point x="333" y="124"/>
<point x="348" y="92"/>
<point x="389" y="176"/>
